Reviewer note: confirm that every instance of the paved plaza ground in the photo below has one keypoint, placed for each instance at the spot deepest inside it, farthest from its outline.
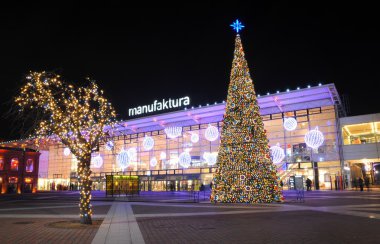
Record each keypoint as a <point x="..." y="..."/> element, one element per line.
<point x="324" y="217"/>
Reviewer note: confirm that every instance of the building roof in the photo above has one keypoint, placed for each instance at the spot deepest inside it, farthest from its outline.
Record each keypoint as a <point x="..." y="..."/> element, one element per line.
<point x="290" y="100"/>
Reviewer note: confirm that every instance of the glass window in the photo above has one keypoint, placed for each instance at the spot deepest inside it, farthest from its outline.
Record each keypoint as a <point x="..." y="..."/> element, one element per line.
<point x="14" y="164"/>
<point x="1" y="164"/>
<point x="29" y="165"/>
<point x="361" y="133"/>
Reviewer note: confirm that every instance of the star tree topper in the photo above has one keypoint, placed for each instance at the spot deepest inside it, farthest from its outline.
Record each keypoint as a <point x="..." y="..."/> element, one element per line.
<point x="237" y="26"/>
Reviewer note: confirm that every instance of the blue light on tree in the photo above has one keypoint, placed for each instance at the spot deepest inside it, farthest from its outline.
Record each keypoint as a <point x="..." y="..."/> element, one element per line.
<point x="237" y="26"/>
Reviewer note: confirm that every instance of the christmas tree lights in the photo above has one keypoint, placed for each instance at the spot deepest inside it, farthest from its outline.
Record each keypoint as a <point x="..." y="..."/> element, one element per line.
<point x="76" y="115"/>
<point x="245" y="172"/>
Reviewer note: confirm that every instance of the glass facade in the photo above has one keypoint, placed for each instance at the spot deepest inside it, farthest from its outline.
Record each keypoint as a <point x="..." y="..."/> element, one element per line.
<point x="363" y="133"/>
<point x="164" y="163"/>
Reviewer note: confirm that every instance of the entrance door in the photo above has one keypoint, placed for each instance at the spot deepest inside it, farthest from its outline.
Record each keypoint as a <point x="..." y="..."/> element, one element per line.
<point x="28" y="188"/>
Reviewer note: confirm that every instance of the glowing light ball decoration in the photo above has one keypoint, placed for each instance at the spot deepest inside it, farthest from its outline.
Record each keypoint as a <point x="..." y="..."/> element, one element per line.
<point x="163" y="155"/>
<point x="210" y="158"/>
<point x="314" y="138"/>
<point x="148" y="143"/>
<point x="110" y="145"/>
<point x="194" y="138"/>
<point x="277" y="153"/>
<point x="132" y="154"/>
<point x="153" y="162"/>
<point x="66" y="151"/>
<point x="97" y="162"/>
<point x="184" y="159"/>
<point x="290" y="124"/>
<point x="123" y="159"/>
<point x="173" y="132"/>
<point x="211" y="133"/>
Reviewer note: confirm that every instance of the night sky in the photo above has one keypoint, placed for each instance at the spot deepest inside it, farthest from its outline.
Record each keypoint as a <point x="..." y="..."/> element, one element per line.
<point x="138" y="55"/>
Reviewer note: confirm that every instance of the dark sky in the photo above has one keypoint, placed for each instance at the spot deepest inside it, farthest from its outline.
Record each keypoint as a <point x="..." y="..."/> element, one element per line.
<point x="141" y="54"/>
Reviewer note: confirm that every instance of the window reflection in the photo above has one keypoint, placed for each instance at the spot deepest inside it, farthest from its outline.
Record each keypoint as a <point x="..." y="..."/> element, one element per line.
<point x="361" y="133"/>
<point x="14" y="164"/>
<point x="29" y="165"/>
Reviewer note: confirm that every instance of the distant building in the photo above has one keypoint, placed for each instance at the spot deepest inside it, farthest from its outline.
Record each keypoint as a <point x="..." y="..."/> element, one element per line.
<point x="18" y="170"/>
<point x="361" y="147"/>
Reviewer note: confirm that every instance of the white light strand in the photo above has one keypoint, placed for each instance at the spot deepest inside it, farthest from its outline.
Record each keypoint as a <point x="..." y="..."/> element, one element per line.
<point x="66" y="151"/>
<point x="210" y="158"/>
<point x="110" y="145"/>
<point x="194" y="138"/>
<point x="173" y="132"/>
<point x="148" y="143"/>
<point x="290" y="124"/>
<point x="211" y="133"/>
<point x="277" y="153"/>
<point x="97" y="162"/>
<point x="153" y="162"/>
<point x="123" y="159"/>
<point x="184" y="159"/>
<point x="314" y="138"/>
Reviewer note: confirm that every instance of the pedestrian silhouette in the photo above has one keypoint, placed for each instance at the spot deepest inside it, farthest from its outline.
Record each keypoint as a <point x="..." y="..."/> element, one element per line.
<point x="366" y="182"/>
<point x="308" y="184"/>
<point x="361" y="185"/>
<point x="355" y="184"/>
<point x="202" y="188"/>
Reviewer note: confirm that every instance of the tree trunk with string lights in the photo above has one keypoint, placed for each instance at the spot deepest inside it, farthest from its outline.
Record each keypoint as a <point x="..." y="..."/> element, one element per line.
<point x="74" y="115"/>
<point x="84" y="180"/>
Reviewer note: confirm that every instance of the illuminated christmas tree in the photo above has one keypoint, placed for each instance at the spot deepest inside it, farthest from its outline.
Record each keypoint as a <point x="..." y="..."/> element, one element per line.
<point x="75" y="115"/>
<point x="245" y="172"/>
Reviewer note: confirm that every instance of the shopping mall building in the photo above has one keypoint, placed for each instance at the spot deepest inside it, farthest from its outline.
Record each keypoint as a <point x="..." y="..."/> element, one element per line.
<point x="177" y="150"/>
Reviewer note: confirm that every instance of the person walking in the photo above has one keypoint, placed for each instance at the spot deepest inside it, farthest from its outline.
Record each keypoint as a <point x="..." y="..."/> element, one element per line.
<point x="355" y="184"/>
<point x="308" y="184"/>
<point x="361" y="185"/>
<point x="366" y="182"/>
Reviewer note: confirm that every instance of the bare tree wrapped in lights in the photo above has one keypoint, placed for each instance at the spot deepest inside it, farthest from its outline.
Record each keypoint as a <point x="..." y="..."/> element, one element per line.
<point x="76" y="115"/>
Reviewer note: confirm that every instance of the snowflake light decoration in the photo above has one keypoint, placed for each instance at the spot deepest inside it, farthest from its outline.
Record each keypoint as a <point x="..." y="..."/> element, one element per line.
<point x="148" y="143"/>
<point x="184" y="159"/>
<point x="314" y="138"/>
<point x="277" y="153"/>
<point x="211" y="133"/>
<point x="97" y="162"/>
<point x="173" y="132"/>
<point x="290" y="124"/>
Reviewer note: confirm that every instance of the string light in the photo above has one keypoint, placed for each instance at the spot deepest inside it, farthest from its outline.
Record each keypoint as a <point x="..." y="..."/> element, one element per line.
<point x="123" y="159"/>
<point x="148" y="143"/>
<point x="75" y="115"/>
<point x="314" y="138"/>
<point x="211" y="133"/>
<point x="110" y="145"/>
<point x="194" y="137"/>
<point x="277" y="153"/>
<point x="153" y="162"/>
<point x="173" y="132"/>
<point x="163" y="155"/>
<point x="210" y="158"/>
<point x="97" y="162"/>
<point x="184" y="159"/>
<point x="290" y="124"/>
<point x="66" y="151"/>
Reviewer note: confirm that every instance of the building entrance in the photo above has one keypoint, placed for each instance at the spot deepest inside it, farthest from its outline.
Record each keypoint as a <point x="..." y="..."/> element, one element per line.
<point x="122" y="185"/>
